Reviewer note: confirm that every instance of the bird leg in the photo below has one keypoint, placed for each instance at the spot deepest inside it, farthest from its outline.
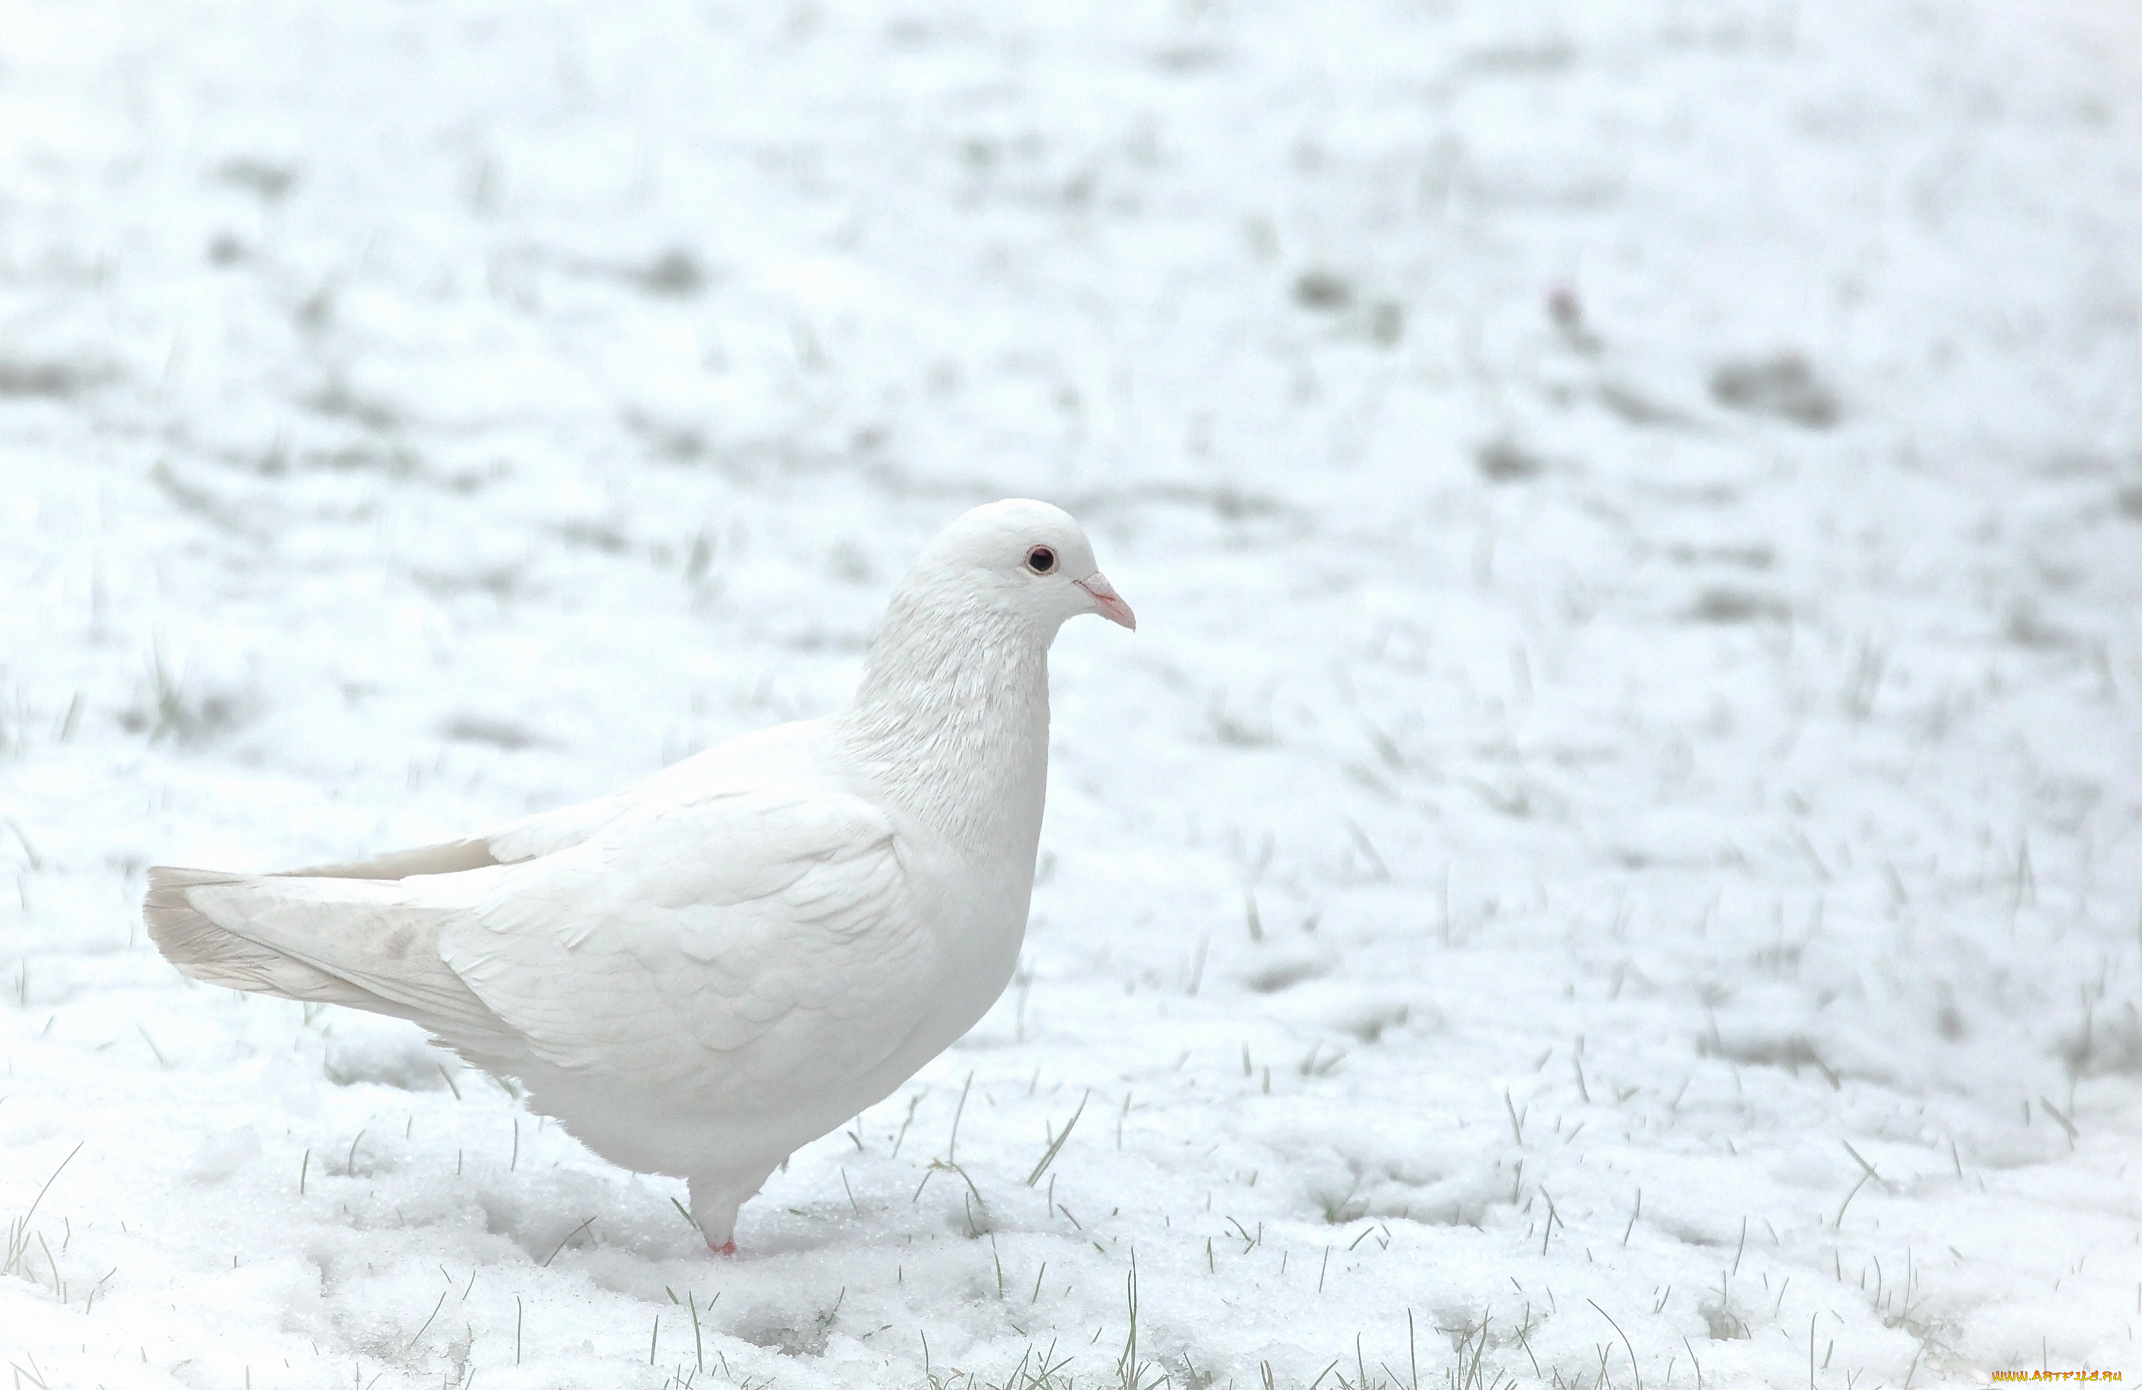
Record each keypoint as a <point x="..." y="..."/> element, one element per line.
<point x="715" y="1198"/>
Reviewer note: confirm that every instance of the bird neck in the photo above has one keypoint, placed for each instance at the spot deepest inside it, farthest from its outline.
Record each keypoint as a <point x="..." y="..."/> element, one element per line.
<point x="951" y="722"/>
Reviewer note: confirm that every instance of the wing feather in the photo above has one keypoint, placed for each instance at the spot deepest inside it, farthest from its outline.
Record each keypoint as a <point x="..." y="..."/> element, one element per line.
<point x="716" y="943"/>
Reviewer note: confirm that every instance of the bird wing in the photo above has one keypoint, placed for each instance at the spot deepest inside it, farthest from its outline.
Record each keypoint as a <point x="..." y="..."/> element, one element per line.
<point x="732" y="938"/>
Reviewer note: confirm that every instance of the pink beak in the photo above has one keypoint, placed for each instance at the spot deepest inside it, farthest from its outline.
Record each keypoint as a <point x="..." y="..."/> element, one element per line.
<point x="1106" y="601"/>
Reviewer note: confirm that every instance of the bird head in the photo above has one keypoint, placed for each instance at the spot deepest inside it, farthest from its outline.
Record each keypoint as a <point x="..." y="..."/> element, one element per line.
<point x="1024" y="558"/>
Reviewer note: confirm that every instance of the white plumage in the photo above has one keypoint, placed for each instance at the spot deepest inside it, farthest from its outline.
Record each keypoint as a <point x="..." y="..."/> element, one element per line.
<point x="703" y="971"/>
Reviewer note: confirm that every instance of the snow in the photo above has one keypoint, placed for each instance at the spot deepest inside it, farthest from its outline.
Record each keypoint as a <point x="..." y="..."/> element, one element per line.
<point x="1613" y="850"/>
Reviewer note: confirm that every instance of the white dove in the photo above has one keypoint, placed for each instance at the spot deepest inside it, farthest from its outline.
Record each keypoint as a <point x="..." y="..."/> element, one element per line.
<point x="722" y="962"/>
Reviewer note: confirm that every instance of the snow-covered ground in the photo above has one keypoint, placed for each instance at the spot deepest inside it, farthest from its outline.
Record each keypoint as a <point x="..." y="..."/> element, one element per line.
<point x="1613" y="854"/>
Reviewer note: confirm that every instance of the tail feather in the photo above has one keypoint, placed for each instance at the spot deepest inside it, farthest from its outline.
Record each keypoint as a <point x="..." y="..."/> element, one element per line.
<point x="204" y="951"/>
<point x="324" y="941"/>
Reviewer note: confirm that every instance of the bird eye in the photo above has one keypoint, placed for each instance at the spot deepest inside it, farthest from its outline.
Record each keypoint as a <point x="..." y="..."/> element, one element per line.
<point x="1041" y="559"/>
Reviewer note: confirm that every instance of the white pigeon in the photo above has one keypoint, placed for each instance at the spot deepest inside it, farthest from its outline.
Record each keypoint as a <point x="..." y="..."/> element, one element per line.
<point x="718" y="964"/>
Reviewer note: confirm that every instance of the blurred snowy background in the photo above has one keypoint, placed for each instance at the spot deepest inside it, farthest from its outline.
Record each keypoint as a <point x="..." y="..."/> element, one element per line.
<point x="1613" y="854"/>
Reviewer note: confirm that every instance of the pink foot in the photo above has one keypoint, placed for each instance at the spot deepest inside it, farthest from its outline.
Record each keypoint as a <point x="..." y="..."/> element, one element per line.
<point x="729" y="1249"/>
